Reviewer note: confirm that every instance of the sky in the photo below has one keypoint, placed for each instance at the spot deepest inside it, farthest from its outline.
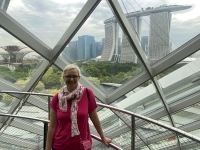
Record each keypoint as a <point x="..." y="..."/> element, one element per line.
<point x="49" y="19"/>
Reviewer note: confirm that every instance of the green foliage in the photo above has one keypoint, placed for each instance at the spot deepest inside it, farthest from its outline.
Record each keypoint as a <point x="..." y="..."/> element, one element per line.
<point x="109" y="72"/>
<point x="51" y="78"/>
<point x="22" y="83"/>
<point x="7" y="99"/>
<point x="94" y="80"/>
<point x="52" y="91"/>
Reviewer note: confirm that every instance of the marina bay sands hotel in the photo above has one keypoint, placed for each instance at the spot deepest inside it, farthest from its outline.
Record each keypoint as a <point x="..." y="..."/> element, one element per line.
<point x="159" y="30"/>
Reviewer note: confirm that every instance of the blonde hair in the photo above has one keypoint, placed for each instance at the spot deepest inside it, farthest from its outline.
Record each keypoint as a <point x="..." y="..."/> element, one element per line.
<point x="71" y="66"/>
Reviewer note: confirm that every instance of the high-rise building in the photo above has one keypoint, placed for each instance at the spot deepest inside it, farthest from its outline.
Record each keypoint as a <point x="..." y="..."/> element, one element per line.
<point x="111" y="50"/>
<point x="127" y="52"/>
<point x="86" y="47"/>
<point x="98" y="47"/>
<point x="102" y="44"/>
<point x="111" y="40"/>
<point x="70" y="52"/>
<point x="4" y="4"/>
<point x="145" y="44"/>
<point x="159" y="43"/>
<point x="159" y="46"/>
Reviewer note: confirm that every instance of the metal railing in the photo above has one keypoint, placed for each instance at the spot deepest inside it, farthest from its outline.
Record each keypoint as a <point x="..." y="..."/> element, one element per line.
<point x="126" y="129"/>
<point x="45" y="122"/>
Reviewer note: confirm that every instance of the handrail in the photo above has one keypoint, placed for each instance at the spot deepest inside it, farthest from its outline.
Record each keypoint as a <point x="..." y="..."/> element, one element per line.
<point x="24" y="117"/>
<point x="111" y="144"/>
<point x="29" y="93"/>
<point x="153" y="121"/>
<point x="47" y="121"/>
<point x="134" y="115"/>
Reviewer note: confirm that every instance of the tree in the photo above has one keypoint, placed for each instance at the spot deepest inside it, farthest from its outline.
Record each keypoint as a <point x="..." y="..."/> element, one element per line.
<point x="51" y="79"/>
<point x="22" y="83"/>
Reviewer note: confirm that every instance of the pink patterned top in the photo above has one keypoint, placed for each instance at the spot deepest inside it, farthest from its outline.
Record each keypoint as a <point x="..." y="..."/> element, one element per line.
<point x="62" y="138"/>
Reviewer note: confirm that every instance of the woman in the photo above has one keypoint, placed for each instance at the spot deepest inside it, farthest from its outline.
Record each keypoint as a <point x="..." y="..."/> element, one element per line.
<point x="69" y="114"/>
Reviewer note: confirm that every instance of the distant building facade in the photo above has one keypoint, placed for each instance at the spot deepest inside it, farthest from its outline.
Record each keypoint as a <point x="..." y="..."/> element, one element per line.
<point x="127" y="53"/>
<point x="4" y="4"/>
<point x="111" y="41"/>
<point x="83" y="49"/>
<point x="159" y="41"/>
<point x="70" y="52"/>
<point x="86" y="47"/>
<point x="145" y="44"/>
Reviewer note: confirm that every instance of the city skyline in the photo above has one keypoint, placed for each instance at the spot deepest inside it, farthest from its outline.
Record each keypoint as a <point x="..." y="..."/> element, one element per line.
<point x="27" y="17"/>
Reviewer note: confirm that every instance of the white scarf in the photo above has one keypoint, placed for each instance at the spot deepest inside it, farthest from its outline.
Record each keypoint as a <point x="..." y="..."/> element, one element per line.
<point x="63" y="96"/>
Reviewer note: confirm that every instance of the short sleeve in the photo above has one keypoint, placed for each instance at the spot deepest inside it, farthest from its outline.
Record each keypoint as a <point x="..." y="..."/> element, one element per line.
<point x="92" y="102"/>
<point x="54" y="102"/>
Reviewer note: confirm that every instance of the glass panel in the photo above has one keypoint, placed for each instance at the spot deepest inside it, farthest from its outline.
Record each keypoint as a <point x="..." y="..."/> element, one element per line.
<point x="18" y="62"/>
<point x="7" y="146"/>
<point x="51" y="82"/>
<point x="142" y="148"/>
<point x="21" y="134"/>
<point x="180" y="80"/>
<point x="187" y="115"/>
<point x="188" y="144"/>
<point x="164" y="26"/>
<point x="196" y="132"/>
<point x="33" y="111"/>
<point x="7" y="101"/>
<point x="104" y="56"/>
<point x="165" y="120"/>
<point x="143" y="99"/>
<point x="48" y="20"/>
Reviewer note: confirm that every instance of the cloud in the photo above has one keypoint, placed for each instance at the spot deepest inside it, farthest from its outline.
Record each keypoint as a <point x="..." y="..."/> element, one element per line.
<point x="49" y="19"/>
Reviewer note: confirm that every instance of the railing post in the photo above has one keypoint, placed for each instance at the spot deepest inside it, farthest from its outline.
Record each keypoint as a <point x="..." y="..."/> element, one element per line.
<point x="45" y="134"/>
<point x="133" y="132"/>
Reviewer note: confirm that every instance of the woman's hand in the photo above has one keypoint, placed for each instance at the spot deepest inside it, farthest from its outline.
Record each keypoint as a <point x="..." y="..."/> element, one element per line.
<point x="106" y="141"/>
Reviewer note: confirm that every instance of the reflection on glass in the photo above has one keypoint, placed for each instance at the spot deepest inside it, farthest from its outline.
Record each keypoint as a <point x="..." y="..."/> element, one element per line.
<point x="180" y="80"/>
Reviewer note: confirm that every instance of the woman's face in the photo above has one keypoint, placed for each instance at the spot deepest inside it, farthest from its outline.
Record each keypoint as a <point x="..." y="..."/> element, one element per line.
<point x="71" y="78"/>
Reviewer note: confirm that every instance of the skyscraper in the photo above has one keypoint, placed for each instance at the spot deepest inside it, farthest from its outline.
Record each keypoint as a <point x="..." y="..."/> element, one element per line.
<point x="159" y="45"/>
<point x="160" y="20"/>
<point x="127" y="52"/>
<point x="145" y="44"/>
<point x="4" y="4"/>
<point x="111" y="40"/>
<point x="98" y="47"/>
<point x="70" y="52"/>
<point x="86" y="47"/>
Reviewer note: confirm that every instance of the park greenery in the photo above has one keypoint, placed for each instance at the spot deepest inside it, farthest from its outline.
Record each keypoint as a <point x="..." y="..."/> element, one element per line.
<point x="95" y="72"/>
